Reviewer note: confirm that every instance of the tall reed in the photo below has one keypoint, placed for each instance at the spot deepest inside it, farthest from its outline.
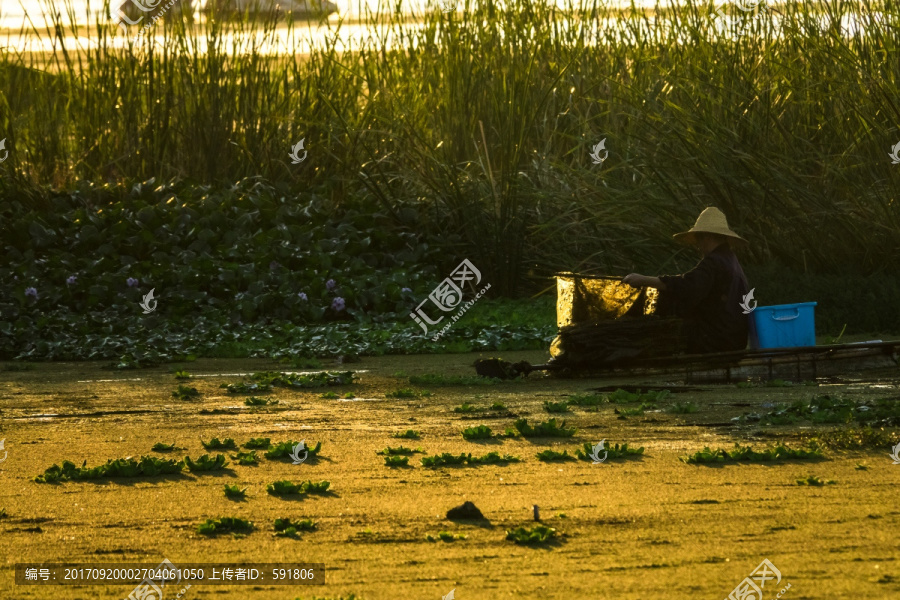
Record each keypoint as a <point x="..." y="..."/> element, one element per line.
<point x="487" y="116"/>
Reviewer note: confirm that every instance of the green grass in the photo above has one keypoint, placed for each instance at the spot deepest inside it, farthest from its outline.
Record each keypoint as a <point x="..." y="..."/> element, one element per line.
<point x="556" y="407"/>
<point x="206" y="463"/>
<point x="540" y="534"/>
<point x="551" y="428"/>
<point x="747" y="454"/>
<point x="216" y="444"/>
<point x="225" y="525"/>
<point x="234" y="492"/>
<point x="396" y="461"/>
<point x="185" y="392"/>
<point x="481" y="432"/>
<point x="409" y="434"/>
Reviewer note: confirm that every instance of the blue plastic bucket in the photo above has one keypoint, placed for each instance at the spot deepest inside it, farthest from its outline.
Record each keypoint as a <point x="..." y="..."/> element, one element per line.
<point x="785" y="325"/>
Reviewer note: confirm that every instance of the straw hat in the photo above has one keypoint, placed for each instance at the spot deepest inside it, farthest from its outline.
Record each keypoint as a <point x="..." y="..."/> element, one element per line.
<point x="711" y="220"/>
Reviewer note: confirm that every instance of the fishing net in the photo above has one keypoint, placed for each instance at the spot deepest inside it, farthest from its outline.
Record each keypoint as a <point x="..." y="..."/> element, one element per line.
<point x="603" y="322"/>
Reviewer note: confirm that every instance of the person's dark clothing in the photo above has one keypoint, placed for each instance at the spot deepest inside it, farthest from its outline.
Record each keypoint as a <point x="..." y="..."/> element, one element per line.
<point x="708" y="298"/>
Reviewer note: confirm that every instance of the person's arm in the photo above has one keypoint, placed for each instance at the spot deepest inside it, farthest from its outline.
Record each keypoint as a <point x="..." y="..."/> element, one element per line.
<point x="639" y="281"/>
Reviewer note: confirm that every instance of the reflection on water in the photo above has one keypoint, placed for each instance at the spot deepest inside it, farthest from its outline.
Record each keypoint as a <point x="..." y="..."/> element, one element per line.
<point x="19" y="17"/>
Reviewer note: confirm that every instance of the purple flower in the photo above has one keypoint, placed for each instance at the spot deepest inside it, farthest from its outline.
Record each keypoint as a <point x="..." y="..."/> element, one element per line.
<point x="302" y="296"/>
<point x="131" y="282"/>
<point x="330" y="285"/>
<point x="338" y="304"/>
<point x="406" y="291"/>
<point x="32" y="292"/>
<point x="70" y="280"/>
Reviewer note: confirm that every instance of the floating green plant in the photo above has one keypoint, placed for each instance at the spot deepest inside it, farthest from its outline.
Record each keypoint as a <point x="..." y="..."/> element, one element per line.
<point x="539" y="534"/>
<point x="551" y="428"/>
<point x="182" y="375"/>
<point x="256" y="401"/>
<point x="551" y="455"/>
<point x="396" y="461"/>
<point x="747" y="454"/>
<point x="400" y="450"/>
<point x="160" y="447"/>
<point x="258" y="443"/>
<point x="445" y="536"/>
<point x="481" y="432"/>
<point x="225" y="525"/>
<point x="246" y="458"/>
<point x="216" y="444"/>
<point x="287" y="488"/>
<point x="409" y="434"/>
<point x="206" y="463"/>
<point x="185" y="392"/>
<point x="556" y="407"/>
<point x="147" y="466"/>
<point x="288" y="528"/>
<point x="234" y="492"/>
<point x="286" y="449"/>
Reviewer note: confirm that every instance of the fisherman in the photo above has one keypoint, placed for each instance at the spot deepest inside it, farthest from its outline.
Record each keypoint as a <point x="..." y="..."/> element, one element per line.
<point x="709" y="297"/>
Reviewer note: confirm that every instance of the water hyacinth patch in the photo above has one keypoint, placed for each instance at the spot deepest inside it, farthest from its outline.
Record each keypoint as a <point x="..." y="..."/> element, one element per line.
<point x="481" y="432"/>
<point x="287" y="488"/>
<point x="259" y="443"/>
<point x="246" y="458"/>
<point x="409" y="434"/>
<point x="160" y="447"/>
<point x="747" y="454"/>
<point x="396" y="461"/>
<point x="234" y="492"/>
<point x="225" y="525"/>
<point x="288" y="528"/>
<point x="254" y="401"/>
<point x="613" y="452"/>
<point x="147" y="466"/>
<point x="400" y="451"/>
<point x="551" y="428"/>
<point x="309" y="380"/>
<point x="216" y="444"/>
<point x="185" y="392"/>
<point x="551" y="455"/>
<point x="285" y="449"/>
<point x="245" y="388"/>
<point x="206" y="463"/>
<point x="537" y="535"/>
